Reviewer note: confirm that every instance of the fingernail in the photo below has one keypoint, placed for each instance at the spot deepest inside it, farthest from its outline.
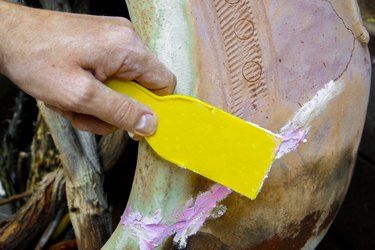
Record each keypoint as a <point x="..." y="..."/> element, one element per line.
<point x="146" y="125"/>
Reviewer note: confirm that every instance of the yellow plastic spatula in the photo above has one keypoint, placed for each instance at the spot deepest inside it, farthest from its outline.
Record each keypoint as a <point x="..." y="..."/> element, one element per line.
<point x="205" y="139"/>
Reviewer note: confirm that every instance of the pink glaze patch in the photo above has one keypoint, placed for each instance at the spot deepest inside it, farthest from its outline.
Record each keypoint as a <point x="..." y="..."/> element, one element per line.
<point x="195" y="213"/>
<point x="291" y="140"/>
<point x="152" y="231"/>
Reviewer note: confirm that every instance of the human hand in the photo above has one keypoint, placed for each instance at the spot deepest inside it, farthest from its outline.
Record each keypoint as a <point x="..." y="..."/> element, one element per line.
<point x="63" y="60"/>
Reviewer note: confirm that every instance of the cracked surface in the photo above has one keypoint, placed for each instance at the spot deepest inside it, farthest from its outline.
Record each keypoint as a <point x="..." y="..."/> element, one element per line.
<point x="354" y="39"/>
<point x="326" y="54"/>
<point x="354" y="21"/>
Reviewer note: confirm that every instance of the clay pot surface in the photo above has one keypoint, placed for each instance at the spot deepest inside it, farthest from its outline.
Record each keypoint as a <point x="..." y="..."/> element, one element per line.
<point x="261" y="60"/>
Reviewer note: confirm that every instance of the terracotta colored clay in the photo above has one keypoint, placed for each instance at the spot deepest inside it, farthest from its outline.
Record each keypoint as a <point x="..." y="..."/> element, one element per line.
<point x="260" y="60"/>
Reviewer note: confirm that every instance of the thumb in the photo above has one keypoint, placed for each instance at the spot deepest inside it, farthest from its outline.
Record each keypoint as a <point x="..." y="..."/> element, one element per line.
<point x="119" y="110"/>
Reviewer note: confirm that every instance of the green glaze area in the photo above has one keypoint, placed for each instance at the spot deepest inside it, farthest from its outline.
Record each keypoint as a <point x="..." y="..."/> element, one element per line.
<point x="143" y="16"/>
<point x="191" y="48"/>
<point x="172" y="42"/>
<point x="121" y="238"/>
<point x="164" y="26"/>
<point x="165" y="185"/>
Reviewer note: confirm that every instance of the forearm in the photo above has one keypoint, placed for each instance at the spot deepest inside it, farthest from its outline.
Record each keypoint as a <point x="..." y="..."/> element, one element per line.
<point x="8" y="24"/>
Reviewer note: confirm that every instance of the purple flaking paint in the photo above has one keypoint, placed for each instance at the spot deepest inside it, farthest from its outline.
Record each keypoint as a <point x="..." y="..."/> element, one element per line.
<point x="291" y="140"/>
<point x="195" y="213"/>
<point x="152" y="231"/>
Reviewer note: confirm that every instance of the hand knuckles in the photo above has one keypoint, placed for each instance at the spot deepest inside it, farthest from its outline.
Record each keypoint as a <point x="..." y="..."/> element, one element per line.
<point x="117" y="34"/>
<point x="82" y="97"/>
<point x="132" y="40"/>
<point x="138" y="55"/>
<point x="126" y="33"/>
<point x="123" y="42"/>
<point x="133" y="61"/>
<point x="123" y="22"/>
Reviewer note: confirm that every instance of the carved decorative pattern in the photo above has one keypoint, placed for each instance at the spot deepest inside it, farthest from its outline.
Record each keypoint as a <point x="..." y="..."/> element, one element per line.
<point x="240" y="39"/>
<point x="252" y="71"/>
<point x="244" y="29"/>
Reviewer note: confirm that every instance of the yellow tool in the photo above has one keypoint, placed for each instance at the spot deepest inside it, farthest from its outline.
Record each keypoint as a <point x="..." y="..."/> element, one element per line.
<point x="205" y="139"/>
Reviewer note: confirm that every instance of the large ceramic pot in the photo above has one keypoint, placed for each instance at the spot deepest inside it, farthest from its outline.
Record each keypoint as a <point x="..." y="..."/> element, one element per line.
<point x="260" y="60"/>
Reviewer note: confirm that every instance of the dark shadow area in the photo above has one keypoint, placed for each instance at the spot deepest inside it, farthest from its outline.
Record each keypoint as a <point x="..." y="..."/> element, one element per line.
<point x="354" y="226"/>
